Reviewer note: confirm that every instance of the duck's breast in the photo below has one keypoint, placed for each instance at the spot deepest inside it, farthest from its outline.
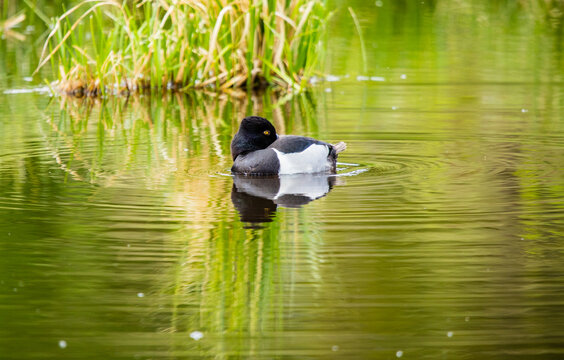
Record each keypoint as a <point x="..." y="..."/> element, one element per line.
<point x="260" y="162"/>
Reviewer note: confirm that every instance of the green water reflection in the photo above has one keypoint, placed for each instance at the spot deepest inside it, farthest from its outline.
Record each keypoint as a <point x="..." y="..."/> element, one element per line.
<point x="121" y="235"/>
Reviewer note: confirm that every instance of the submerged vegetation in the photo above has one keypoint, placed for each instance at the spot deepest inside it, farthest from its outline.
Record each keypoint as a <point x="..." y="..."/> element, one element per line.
<point x="103" y="46"/>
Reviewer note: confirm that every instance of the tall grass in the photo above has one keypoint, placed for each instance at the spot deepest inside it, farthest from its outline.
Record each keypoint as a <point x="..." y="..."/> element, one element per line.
<point x="110" y="46"/>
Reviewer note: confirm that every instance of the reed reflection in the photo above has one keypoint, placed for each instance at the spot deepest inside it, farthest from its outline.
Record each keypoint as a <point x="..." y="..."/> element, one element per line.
<point x="256" y="198"/>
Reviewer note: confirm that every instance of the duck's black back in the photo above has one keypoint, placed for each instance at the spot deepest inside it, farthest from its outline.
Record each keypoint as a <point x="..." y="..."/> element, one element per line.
<point x="294" y="144"/>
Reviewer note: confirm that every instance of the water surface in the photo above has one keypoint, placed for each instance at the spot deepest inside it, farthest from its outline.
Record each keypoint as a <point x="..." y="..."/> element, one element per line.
<point x="122" y="237"/>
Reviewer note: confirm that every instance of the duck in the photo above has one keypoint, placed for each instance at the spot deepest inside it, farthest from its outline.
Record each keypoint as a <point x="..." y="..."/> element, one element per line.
<point x="257" y="149"/>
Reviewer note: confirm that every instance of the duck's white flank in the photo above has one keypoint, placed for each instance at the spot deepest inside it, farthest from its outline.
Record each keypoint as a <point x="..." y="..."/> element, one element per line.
<point x="311" y="160"/>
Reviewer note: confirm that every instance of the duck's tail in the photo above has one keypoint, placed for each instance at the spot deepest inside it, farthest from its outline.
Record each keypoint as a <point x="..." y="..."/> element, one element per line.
<point x="340" y="147"/>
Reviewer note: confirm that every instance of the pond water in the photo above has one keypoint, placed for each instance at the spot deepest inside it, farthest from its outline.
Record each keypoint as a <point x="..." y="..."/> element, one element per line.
<point x="123" y="236"/>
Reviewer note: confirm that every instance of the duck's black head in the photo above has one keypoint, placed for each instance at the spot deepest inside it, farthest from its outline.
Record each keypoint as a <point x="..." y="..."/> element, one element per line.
<point x="255" y="133"/>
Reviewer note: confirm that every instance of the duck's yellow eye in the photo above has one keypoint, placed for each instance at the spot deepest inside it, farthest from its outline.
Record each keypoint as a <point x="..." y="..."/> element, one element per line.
<point x="266" y="132"/>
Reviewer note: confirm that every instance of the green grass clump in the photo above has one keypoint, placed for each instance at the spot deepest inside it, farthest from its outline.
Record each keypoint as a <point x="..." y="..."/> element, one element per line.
<point x="110" y="46"/>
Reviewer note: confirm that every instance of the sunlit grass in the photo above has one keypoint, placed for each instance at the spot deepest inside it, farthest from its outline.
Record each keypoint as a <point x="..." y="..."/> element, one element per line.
<point x="106" y="46"/>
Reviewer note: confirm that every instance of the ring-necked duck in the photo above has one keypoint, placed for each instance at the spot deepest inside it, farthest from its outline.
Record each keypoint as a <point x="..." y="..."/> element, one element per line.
<point x="257" y="150"/>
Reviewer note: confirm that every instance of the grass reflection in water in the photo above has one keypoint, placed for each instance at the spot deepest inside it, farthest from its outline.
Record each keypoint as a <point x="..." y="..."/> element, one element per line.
<point x="228" y="278"/>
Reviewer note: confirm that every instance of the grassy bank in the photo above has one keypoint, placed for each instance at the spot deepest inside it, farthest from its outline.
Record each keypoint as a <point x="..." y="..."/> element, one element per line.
<point x="106" y="46"/>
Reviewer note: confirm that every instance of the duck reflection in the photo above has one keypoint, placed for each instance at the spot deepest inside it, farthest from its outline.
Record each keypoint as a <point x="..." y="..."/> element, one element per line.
<point x="256" y="198"/>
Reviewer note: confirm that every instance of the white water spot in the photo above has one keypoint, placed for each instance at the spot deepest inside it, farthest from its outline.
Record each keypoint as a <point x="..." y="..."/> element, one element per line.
<point x="185" y="149"/>
<point x="332" y="78"/>
<point x="399" y="353"/>
<point x="352" y="173"/>
<point x="449" y="334"/>
<point x="467" y="318"/>
<point x="41" y="89"/>
<point x="403" y="76"/>
<point x="335" y="348"/>
<point x="362" y="78"/>
<point x="524" y="110"/>
<point x="394" y="107"/>
<point x="28" y="78"/>
<point x="328" y="90"/>
<point x="377" y="78"/>
<point x="379" y="3"/>
<point x="314" y="80"/>
<point x="62" y="344"/>
<point x="140" y="295"/>
<point x="196" y="335"/>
